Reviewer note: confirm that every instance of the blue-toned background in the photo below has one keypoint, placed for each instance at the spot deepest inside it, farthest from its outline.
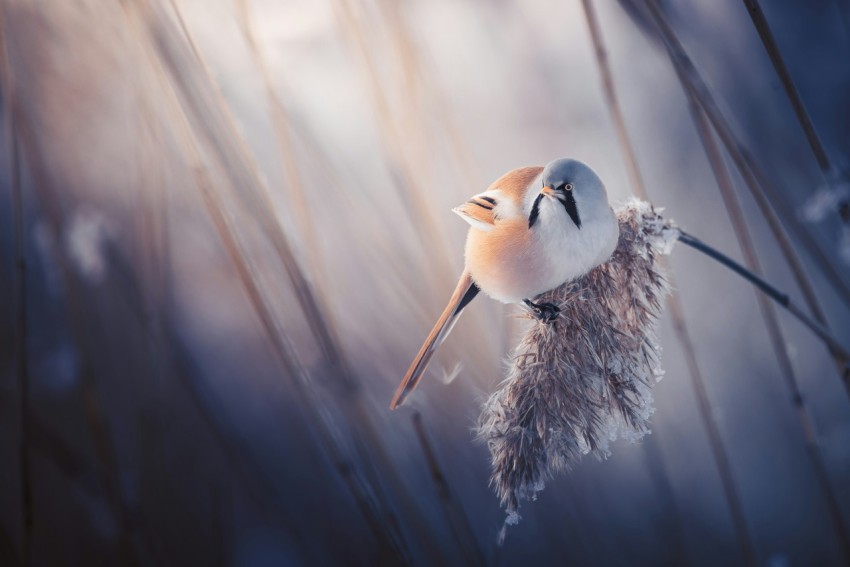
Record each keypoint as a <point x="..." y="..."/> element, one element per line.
<point x="235" y="227"/>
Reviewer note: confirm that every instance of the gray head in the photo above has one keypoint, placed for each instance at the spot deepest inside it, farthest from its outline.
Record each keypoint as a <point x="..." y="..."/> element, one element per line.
<point x="576" y="187"/>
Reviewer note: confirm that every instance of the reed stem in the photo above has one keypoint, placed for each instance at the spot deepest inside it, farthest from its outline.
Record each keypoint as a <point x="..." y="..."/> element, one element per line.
<point x="766" y="194"/>
<point x="19" y="302"/>
<point x="93" y="406"/>
<point x="459" y="523"/>
<point x="803" y="415"/>
<point x="779" y="297"/>
<point x="755" y="181"/>
<point x="218" y="132"/>
<point x="286" y="148"/>
<point x="770" y="45"/>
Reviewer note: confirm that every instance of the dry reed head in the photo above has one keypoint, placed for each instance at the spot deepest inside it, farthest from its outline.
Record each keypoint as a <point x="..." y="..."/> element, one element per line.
<point x="576" y="384"/>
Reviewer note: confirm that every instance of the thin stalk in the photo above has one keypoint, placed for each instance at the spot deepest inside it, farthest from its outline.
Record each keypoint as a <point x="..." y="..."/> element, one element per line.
<point x="772" y="48"/>
<point x="416" y="69"/>
<point x="366" y="491"/>
<point x="19" y="300"/>
<point x="769" y="42"/>
<point x="779" y="297"/>
<point x="22" y="367"/>
<point x="209" y="114"/>
<point x="459" y="523"/>
<point x="653" y="451"/>
<point x="610" y="92"/>
<point x="715" y="439"/>
<point x="415" y="88"/>
<point x="282" y="127"/>
<point x="755" y="180"/>
<point x="179" y="364"/>
<point x="400" y="164"/>
<point x="21" y="132"/>
<point x="803" y="415"/>
<point x="739" y="225"/>
<point x="74" y="301"/>
<point x="766" y="195"/>
<point x="386" y="529"/>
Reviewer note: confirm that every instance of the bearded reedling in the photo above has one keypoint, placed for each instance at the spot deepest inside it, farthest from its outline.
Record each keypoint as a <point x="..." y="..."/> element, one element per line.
<point x="531" y="231"/>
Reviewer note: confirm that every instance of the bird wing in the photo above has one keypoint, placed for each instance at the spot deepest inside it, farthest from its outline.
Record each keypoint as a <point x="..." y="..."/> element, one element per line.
<point x="478" y="211"/>
<point x="465" y="292"/>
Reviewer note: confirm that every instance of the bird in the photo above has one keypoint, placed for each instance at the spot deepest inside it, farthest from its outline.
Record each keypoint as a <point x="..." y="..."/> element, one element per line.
<point x="533" y="229"/>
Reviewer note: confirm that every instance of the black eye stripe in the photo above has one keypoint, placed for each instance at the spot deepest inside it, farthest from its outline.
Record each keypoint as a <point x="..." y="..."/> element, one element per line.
<point x="490" y="200"/>
<point x="572" y="209"/>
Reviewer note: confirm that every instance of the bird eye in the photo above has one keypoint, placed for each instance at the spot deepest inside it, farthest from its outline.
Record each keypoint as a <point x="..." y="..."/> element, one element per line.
<point x="569" y="187"/>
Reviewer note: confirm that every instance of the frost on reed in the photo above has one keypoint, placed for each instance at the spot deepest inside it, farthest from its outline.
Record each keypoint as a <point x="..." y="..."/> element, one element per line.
<point x="578" y="383"/>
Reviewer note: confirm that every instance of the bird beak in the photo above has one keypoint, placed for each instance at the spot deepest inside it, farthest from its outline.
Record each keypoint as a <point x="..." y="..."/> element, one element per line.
<point x="552" y="192"/>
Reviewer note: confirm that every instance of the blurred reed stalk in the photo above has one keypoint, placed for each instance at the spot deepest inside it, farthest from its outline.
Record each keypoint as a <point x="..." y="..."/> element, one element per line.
<point x="203" y="102"/>
<point x="766" y="35"/>
<point x="170" y="360"/>
<point x="179" y="363"/>
<point x="829" y="174"/>
<point x="417" y="87"/>
<point x="346" y="387"/>
<point x="788" y="85"/>
<point x="74" y="295"/>
<point x="456" y="517"/>
<point x="739" y="225"/>
<point x="736" y="216"/>
<point x="416" y="73"/>
<point x="402" y="167"/>
<point x="677" y="315"/>
<point x="282" y="127"/>
<point x="19" y="302"/>
<point x="406" y="148"/>
<point x="201" y="106"/>
<point x="765" y="194"/>
<point x="697" y="92"/>
<point x="22" y="367"/>
<point x="753" y="177"/>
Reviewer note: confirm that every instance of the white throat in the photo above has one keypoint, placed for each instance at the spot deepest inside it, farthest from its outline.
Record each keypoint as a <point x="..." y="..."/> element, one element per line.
<point x="570" y="251"/>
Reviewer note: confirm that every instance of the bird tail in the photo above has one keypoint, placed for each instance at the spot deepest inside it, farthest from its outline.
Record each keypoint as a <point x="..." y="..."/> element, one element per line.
<point x="465" y="292"/>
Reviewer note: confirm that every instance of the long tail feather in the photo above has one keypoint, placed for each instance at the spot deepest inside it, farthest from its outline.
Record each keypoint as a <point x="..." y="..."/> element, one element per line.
<point x="465" y="292"/>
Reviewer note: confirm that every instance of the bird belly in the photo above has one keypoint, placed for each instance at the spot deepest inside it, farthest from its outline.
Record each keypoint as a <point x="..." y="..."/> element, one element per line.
<point x="509" y="285"/>
<point x="506" y="264"/>
<point x="510" y="268"/>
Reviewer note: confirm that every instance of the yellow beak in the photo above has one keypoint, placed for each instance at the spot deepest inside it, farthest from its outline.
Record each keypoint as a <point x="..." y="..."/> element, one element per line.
<point x="550" y="192"/>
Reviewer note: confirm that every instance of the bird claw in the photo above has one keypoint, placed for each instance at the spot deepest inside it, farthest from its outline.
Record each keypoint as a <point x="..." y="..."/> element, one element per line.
<point x="544" y="312"/>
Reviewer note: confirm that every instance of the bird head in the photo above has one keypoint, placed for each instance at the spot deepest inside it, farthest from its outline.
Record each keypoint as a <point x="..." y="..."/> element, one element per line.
<point x="574" y="187"/>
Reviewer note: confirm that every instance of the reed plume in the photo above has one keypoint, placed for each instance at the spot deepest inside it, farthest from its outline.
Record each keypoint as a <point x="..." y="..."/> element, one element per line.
<point x="577" y="384"/>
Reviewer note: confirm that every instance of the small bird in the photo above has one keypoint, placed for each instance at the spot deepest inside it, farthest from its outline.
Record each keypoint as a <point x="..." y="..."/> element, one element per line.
<point x="532" y="230"/>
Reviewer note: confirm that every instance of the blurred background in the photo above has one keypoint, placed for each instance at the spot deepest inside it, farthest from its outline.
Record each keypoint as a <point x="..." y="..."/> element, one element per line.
<point x="225" y="231"/>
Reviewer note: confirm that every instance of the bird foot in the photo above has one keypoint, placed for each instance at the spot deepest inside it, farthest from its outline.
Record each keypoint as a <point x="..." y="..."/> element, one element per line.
<point x="543" y="312"/>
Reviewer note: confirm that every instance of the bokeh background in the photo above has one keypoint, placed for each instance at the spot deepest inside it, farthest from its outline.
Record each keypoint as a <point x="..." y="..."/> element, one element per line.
<point x="225" y="230"/>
